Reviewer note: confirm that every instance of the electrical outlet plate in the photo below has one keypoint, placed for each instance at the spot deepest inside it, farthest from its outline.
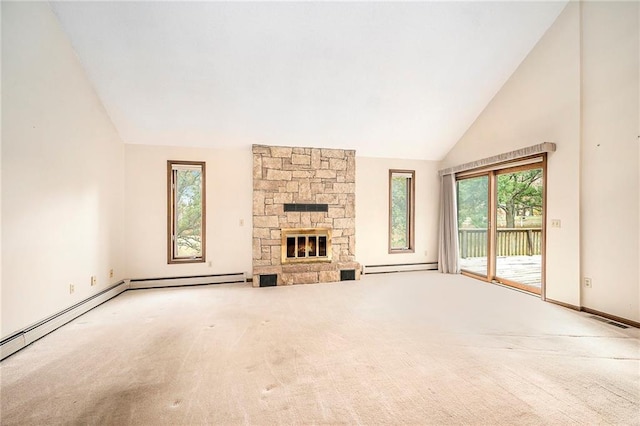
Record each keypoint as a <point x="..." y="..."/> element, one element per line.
<point x="72" y="288"/>
<point x="94" y="280"/>
<point x="110" y="273"/>
<point x="587" y="282"/>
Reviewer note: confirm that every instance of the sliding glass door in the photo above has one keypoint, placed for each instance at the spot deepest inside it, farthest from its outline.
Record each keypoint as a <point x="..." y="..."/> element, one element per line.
<point x="500" y="225"/>
<point x="518" y="239"/>
<point x="473" y="224"/>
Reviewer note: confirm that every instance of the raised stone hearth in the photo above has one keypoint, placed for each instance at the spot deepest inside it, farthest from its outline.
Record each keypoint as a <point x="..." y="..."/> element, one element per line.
<point x="321" y="182"/>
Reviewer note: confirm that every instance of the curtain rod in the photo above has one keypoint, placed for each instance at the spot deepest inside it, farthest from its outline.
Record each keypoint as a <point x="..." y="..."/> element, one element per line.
<point x="501" y="158"/>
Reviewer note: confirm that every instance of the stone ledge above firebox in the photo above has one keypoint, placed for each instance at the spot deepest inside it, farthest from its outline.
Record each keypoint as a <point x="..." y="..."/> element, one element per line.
<point x="303" y="176"/>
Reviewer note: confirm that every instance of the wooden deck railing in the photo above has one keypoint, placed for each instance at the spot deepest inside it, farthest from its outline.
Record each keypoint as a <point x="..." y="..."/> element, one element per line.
<point x="509" y="242"/>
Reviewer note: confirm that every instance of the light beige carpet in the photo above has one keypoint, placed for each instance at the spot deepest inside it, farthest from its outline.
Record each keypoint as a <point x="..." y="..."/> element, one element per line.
<point x="407" y="348"/>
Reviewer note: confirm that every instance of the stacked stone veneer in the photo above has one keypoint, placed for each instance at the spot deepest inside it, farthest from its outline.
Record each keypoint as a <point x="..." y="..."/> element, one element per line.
<point x="303" y="175"/>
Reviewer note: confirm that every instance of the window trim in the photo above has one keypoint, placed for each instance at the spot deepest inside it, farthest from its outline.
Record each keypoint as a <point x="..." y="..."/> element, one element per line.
<point x="171" y="259"/>
<point x="411" y="211"/>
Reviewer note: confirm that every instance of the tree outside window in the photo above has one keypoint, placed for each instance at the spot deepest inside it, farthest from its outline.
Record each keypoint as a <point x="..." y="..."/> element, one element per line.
<point x="401" y="210"/>
<point x="186" y="211"/>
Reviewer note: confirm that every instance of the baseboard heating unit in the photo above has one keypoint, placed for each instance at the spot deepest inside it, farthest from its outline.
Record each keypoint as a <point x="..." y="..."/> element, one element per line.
<point x="239" y="277"/>
<point x="401" y="267"/>
<point x="30" y="334"/>
<point x="20" y="339"/>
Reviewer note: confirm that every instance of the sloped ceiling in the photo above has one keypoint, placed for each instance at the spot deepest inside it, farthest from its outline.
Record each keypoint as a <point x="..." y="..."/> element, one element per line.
<point x="395" y="80"/>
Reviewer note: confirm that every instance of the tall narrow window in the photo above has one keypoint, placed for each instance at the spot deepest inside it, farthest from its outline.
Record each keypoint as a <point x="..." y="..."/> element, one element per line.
<point x="401" y="211"/>
<point x="186" y="207"/>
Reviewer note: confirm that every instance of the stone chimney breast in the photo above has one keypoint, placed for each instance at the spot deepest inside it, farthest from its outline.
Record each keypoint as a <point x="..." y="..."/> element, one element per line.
<point x="303" y="189"/>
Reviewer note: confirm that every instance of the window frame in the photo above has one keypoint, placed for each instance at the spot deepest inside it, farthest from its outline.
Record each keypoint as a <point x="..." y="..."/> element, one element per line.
<point x="171" y="219"/>
<point x="493" y="171"/>
<point x="410" y="211"/>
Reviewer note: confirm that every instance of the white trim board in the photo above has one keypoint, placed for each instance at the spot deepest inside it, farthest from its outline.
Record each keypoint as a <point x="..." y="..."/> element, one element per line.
<point x="239" y="277"/>
<point x="401" y="267"/>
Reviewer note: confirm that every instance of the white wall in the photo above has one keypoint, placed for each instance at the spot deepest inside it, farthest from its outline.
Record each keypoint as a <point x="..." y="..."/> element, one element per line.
<point x="62" y="173"/>
<point x="541" y="103"/>
<point x="372" y="211"/>
<point x="578" y="88"/>
<point x="610" y="166"/>
<point x="229" y="200"/>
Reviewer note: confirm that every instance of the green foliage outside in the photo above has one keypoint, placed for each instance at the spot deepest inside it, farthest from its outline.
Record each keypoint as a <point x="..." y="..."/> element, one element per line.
<point x="189" y="213"/>
<point x="520" y="195"/>
<point x="399" y="212"/>
<point x="473" y="202"/>
<point x="519" y="200"/>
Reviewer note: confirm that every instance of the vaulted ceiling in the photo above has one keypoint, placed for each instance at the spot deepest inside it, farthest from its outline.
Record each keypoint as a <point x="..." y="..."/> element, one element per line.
<point x="396" y="80"/>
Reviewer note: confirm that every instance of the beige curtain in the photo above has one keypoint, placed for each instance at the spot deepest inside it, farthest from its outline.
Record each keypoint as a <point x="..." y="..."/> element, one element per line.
<point x="448" y="262"/>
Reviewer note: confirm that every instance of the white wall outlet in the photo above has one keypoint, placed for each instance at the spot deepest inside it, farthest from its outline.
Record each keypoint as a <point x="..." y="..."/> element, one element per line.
<point x="210" y="264"/>
<point x="94" y="280"/>
<point x="556" y="223"/>
<point x="72" y="288"/>
<point x="587" y="282"/>
<point x="110" y="273"/>
<point x="241" y="222"/>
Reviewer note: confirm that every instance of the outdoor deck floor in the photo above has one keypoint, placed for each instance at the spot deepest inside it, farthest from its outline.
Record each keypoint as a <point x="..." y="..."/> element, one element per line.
<point x="521" y="269"/>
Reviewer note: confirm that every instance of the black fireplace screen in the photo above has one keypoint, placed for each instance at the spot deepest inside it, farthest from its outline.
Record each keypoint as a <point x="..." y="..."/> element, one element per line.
<point x="306" y="246"/>
<point x="301" y="245"/>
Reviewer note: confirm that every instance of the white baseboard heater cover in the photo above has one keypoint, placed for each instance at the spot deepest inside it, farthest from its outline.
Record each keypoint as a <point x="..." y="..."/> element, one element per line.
<point x="30" y="334"/>
<point x="20" y="339"/>
<point x="239" y="277"/>
<point x="402" y="267"/>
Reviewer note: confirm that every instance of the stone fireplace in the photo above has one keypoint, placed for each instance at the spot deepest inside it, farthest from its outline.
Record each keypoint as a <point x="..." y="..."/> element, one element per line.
<point x="303" y="215"/>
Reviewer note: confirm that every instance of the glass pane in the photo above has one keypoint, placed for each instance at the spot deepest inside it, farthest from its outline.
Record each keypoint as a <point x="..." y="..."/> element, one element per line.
<point x="519" y="227"/>
<point x="302" y="247"/>
<point x="188" y="212"/>
<point x="312" y="245"/>
<point x="322" y="246"/>
<point x="291" y="247"/>
<point x="473" y="221"/>
<point x="400" y="212"/>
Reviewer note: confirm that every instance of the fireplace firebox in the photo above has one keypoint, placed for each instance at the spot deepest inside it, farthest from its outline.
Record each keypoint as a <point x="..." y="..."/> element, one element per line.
<point x="306" y="245"/>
